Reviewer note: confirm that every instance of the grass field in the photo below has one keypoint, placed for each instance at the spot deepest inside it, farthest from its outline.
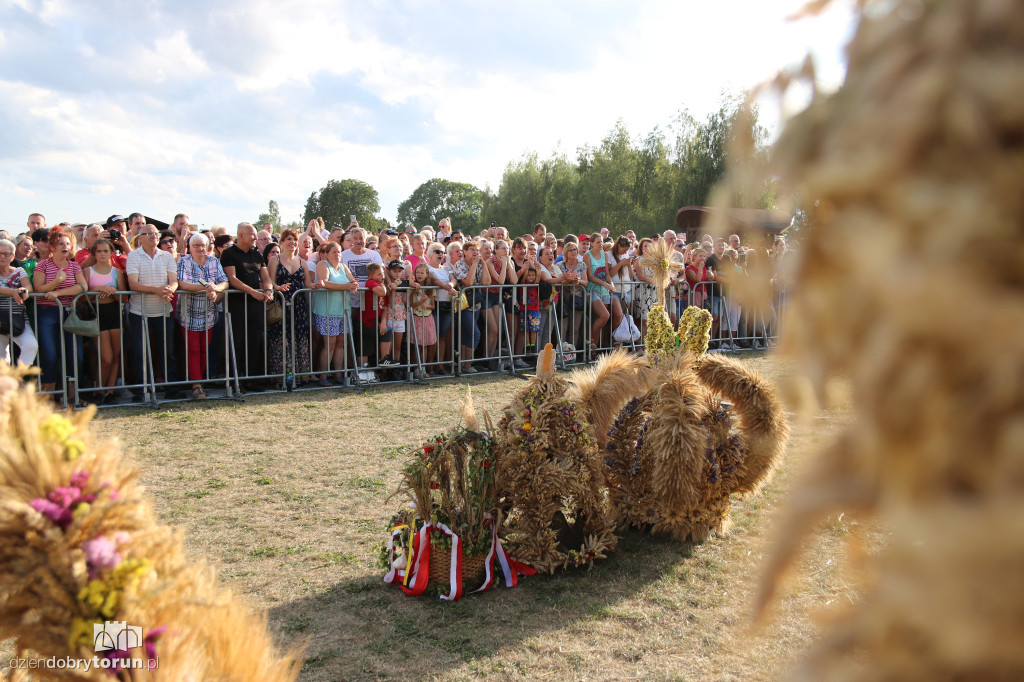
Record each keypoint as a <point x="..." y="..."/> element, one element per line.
<point x="286" y="493"/>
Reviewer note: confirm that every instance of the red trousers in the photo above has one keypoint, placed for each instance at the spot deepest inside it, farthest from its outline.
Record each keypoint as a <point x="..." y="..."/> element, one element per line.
<point x="196" y="344"/>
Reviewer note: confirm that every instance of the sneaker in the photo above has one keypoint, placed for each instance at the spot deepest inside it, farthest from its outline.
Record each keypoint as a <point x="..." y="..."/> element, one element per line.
<point x="387" y="360"/>
<point x="759" y="345"/>
<point x="469" y="370"/>
<point x="519" y="364"/>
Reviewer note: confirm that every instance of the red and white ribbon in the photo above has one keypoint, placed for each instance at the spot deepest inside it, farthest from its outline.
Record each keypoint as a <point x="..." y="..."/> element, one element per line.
<point x="510" y="567"/>
<point x="416" y="575"/>
<point x="489" y="563"/>
<point x="455" y="569"/>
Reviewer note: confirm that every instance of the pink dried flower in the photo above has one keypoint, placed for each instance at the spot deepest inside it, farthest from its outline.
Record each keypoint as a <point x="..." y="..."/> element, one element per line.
<point x="66" y="496"/>
<point x="150" y="641"/>
<point x="100" y="553"/>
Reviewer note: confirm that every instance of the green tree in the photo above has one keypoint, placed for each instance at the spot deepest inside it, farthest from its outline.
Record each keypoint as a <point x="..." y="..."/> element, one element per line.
<point x="438" y="198"/>
<point x="272" y="216"/>
<point x="628" y="182"/>
<point x="336" y="201"/>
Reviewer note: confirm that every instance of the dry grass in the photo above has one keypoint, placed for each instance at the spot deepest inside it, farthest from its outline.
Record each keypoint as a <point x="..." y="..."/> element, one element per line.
<point x="287" y="494"/>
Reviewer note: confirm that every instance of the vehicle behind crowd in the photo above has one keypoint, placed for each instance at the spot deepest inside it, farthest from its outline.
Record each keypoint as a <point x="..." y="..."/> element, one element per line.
<point x="134" y="314"/>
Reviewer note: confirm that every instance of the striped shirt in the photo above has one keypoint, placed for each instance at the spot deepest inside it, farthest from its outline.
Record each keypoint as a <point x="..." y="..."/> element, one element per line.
<point x="197" y="312"/>
<point x="156" y="271"/>
<point x="50" y="270"/>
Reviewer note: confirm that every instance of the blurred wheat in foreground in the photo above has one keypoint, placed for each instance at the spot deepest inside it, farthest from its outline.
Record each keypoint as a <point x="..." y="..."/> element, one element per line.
<point x="79" y="546"/>
<point x="911" y="285"/>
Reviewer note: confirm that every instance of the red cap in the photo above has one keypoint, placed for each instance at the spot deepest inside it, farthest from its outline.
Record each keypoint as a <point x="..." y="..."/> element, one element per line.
<point x="585" y="236"/>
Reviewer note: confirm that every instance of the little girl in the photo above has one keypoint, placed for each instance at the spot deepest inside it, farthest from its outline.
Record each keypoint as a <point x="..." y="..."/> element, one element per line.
<point x="395" y="311"/>
<point x="531" y="316"/>
<point x="423" y="317"/>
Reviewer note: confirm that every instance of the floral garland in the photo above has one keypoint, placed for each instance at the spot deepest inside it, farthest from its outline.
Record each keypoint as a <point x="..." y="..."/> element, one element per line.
<point x="661" y="336"/>
<point x="112" y="577"/>
<point x="695" y="331"/>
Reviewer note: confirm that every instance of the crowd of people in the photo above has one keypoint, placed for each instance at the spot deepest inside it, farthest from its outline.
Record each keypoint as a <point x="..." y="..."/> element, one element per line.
<point x="311" y="306"/>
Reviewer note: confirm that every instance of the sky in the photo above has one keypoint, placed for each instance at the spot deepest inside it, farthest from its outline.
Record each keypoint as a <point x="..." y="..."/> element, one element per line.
<point x="215" y="107"/>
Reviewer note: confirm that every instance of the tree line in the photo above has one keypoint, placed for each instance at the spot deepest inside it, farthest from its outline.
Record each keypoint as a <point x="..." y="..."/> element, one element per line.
<point x="622" y="183"/>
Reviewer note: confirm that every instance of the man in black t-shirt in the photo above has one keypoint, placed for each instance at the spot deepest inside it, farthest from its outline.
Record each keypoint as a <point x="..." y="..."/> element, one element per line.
<point x="247" y="273"/>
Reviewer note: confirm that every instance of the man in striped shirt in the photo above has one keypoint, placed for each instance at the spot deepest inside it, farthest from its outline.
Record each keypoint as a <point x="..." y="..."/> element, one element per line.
<point x="153" y="275"/>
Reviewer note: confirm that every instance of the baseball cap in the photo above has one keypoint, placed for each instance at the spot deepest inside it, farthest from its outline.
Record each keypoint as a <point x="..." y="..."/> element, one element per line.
<point x="396" y="265"/>
<point x="113" y="220"/>
<point x="585" y="236"/>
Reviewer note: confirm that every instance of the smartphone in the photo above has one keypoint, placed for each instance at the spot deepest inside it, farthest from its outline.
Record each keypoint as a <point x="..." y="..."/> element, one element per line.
<point x="352" y="218"/>
<point x="494" y="224"/>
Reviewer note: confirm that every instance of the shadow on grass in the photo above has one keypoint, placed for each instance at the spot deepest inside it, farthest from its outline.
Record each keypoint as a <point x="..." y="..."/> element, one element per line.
<point x="364" y="628"/>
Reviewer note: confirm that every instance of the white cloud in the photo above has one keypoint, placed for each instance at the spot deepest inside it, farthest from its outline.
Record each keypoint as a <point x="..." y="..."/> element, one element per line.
<point x="17" y="191"/>
<point x="219" y="108"/>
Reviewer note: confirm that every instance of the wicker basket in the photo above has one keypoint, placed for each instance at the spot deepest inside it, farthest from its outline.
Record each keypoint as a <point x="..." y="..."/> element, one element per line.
<point x="473" y="568"/>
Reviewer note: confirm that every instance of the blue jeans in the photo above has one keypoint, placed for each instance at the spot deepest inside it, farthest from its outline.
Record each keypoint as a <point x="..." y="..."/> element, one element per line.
<point x="470" y="332"/>
<point x="161" y="341"/>
<point x="50" y="319"/>
<point x="443" y="319"/>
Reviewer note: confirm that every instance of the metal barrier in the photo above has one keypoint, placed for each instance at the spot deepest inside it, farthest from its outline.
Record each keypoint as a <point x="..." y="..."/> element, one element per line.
<point x="139" y="358"/>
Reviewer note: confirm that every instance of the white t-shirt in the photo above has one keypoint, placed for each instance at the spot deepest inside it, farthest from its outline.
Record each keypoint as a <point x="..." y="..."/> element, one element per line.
<point x="555" y="272"/>
<point x="357" y="264"/>
<point x="442" y="273"/>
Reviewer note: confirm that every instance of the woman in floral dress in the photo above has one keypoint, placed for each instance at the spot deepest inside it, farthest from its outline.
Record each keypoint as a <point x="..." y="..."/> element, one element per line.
<point x="288" y="268"/>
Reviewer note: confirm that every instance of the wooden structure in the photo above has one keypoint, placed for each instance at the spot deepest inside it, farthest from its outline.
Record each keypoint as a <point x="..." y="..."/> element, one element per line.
<point x="753" y="225"/>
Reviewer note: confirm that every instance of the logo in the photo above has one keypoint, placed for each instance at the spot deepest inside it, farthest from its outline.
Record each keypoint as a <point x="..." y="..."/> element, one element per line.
<point x="116" y="636"/>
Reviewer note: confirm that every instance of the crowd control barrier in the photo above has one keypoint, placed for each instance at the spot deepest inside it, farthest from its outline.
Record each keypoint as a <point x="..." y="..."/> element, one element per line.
<point x="235" y="344"/>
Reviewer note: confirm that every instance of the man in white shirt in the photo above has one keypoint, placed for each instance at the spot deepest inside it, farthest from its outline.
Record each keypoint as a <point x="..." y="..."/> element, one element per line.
<point x="357" y="257"/>
<point x="153" y="275"/>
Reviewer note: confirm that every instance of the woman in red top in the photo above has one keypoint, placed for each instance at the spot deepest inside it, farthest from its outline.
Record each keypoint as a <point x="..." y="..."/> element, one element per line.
<point x="61" y="279"/>
<point x="696" y="273"/>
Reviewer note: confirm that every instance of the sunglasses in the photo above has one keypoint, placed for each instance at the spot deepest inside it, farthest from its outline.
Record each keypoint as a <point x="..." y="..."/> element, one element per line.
<point x="165" y="242"/>
<point x="438" y="252"/>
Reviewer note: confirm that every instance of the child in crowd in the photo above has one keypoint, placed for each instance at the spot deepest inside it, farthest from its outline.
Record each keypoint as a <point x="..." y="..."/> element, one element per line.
<point x="374" y="316"/>
<point x="423" y="317"/>
<point x="396" y="307"/>
<point x="531" y="315"/>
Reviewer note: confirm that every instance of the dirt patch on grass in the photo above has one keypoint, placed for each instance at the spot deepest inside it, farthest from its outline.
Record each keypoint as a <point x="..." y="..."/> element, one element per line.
<point x="287" y="494"/>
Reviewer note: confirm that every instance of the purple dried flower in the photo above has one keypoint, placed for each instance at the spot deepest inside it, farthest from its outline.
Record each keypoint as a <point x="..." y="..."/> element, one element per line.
<point x="56" y="513"/>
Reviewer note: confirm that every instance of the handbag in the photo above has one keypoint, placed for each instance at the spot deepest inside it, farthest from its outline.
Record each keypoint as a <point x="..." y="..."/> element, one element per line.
<point x="76" y="324"/>
<point x="274" y="312"/>
<point x="622" y="333"/>
<point x="462" y="303"/>
<point x="12" y="318"/>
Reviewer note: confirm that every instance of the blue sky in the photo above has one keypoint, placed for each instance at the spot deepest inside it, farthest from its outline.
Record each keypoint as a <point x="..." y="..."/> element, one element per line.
<point x="214" y="108"/>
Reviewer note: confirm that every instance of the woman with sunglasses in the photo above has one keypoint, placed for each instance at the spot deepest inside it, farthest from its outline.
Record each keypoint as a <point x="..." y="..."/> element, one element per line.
<point x="169" y="243"/>
<point x="15" y="287"/>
